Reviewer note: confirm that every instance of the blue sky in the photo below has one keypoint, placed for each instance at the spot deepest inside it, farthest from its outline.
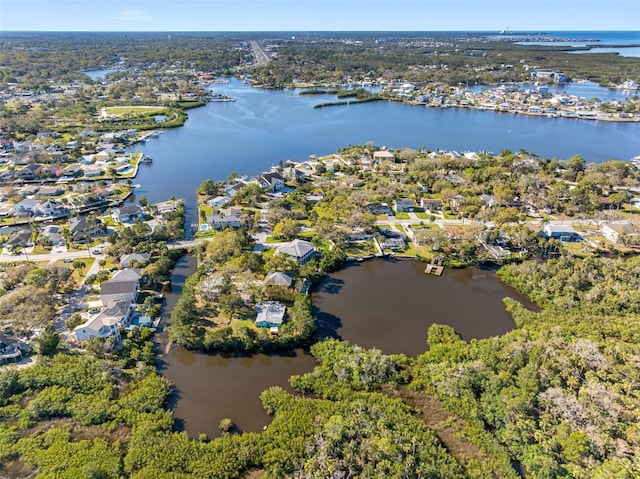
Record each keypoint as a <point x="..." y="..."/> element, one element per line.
<point x="300" y="15"/>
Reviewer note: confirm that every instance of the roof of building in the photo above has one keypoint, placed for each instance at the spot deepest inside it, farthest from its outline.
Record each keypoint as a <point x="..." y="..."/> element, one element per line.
<point x="270" y="312"/>
<point x="124" y="275"/>
<point x="278" y="278"/>
<point x="126" y="260"/>
<point x="297" y="248"/>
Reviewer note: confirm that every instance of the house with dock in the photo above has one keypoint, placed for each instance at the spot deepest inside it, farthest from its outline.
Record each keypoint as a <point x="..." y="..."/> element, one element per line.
<point x="561" y="232"/>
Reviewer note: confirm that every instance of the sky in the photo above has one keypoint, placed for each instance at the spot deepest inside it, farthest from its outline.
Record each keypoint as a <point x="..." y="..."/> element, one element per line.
<point x="318" y="15"/>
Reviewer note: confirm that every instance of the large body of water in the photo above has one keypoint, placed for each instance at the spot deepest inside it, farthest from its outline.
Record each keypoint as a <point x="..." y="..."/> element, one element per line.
<point x="575" y="39"/>
<point x="264" y="127"/>
<point x="384" y="304"/>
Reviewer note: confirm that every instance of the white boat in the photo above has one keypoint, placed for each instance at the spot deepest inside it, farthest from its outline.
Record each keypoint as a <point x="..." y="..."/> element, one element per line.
<point x="628" y="85"/>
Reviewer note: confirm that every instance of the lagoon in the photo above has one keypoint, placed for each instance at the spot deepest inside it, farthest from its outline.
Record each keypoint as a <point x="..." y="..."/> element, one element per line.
<point x="385" y="304"/>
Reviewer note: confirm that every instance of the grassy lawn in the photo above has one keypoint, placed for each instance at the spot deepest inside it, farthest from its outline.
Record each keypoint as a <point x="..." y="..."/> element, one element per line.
<point x="273" y="239"/>
<point x="78" y="275"/>
<point x="421" y="215"/>
<point x="399" y="228"/>
<point x="384" y="226"/>
<point x="123" y="110"/>
<point x="364" y="248"/>
<point x="401" y="215"/>
<point x="414" y="251"/>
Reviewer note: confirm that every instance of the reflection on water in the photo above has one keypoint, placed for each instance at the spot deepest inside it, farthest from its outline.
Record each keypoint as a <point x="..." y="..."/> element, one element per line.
<point x="391" y="304"/>
<point x="384" y="304"/>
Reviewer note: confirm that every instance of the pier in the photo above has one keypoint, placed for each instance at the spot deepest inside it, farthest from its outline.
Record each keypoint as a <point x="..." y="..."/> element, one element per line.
<point x="435" y="267"/>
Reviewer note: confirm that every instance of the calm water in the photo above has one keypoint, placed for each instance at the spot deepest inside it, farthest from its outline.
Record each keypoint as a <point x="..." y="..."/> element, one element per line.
<point x="209" y="388"/>
<point x="383" y="304"/>
<point x="603" y="38"/>
<point x="264" y="127"/>
<point x="390" y="304"/>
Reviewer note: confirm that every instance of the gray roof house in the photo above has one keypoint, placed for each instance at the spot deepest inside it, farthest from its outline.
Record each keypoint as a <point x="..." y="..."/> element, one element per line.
<point x="140" y="258"/>
<point x="270" y="314"/>
<point x="299" y="250"/>
<point x="278" y="278"/>
<point x="127" y="214"/>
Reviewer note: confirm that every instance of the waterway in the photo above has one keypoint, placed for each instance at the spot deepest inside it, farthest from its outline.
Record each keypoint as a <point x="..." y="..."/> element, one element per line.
<point x="384" y="304"/>
<point x="263" y="127"/>
<point x="209" y="388"/>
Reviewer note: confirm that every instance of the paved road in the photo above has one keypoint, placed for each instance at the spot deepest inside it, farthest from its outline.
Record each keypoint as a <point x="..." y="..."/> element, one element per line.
<point x="258" y="53"/>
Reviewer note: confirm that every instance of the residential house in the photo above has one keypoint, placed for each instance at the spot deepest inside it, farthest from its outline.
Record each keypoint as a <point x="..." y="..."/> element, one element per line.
<point x="124" y="286"/>
<point x="220" y="221"/>
<point x="561" y="232"/>
<point x="615" y="232"/>
<point x="29" y="172"/>
<point x="231" y="190"/>
<point x="105" y="155"/>
<point x="127" y="214"/>
<point x="81" y="229"/>
<point x="91" y="171"/>
<point x="489" y="201"/>
<point x="383" y="155"/>
<point x="270" y="314"/>
<point x="20" y="237"/>
<point x="51" y="171"/>
<point x="73" y="171"/>
<point x="278" y="278"/>
<point x="219" y="201"/>
<point x="29" y="190"/>
<point x="379" y="209"/>
<point x="25" y="208"/>
<point x="403" y="205"/>
<point x="294" y="174"/>
<point x="106" y="323"/>
<point x="271" y="181"/>
<point x="136" y="258"/>
<point x="6" y="210"/>
<point x="299" y="250"/>
<point x="54" y="190"/>
<point x="53" y="233"/>
<point x="431" y="204"/>
<point x="51" y="208"/>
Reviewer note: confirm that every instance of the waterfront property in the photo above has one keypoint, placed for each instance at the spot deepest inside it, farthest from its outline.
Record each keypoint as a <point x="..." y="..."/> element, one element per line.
<point x="561" y="232"/>
<point x="299" y="250"/>
<point x="270" y="314"/>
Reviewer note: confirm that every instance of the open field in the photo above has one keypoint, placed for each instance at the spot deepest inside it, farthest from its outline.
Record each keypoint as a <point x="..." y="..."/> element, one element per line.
<point x="123" y="110"/>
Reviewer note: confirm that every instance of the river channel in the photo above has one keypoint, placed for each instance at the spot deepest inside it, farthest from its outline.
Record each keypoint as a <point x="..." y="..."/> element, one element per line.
<point x="263" y="127"/>
<point x="385" y="304"/>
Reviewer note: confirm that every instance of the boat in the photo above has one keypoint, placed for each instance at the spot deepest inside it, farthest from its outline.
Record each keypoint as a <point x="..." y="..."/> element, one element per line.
<point x="136" y="186"/>
<point x="628" y="85"/>
<point x="146" y="159"/>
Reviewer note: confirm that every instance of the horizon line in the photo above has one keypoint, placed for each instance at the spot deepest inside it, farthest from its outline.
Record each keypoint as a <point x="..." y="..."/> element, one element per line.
<point x="510" y="32"/>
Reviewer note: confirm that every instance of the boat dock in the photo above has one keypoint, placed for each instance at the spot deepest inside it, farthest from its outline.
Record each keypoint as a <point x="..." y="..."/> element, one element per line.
<point x="434" y="269"/>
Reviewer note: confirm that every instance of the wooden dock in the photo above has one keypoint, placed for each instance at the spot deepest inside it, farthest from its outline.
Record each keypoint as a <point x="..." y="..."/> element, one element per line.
<point x="434" y="269"/>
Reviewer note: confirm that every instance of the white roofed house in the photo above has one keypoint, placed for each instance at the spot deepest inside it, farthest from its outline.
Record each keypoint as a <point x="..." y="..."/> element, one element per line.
<point x="270" y="314"/>
<point x="127" y="214"/>
<point x="26" y="207"/>
<point x="135" y="258"/>
<point x="51" y="208"/>
<point x="225" y="219"/>
<point x="299" y="250"/>
<point x="106" y="323"/>
<point x="219" y="201"/>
